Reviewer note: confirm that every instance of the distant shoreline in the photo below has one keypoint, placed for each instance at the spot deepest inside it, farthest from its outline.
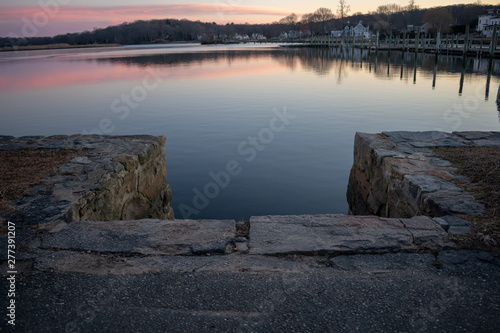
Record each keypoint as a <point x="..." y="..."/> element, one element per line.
<point x="68" y="46"/>
<point x="54" y="47"/>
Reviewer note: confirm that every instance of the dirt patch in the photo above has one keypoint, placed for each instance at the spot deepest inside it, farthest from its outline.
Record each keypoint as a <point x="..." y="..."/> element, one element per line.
<point x="243" y="229"/>
<point x="482" y="166"/>
<point x="23" y="169"/>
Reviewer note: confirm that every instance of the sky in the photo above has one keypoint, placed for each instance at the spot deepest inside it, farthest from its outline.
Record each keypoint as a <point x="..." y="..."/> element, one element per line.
<point x="38" y="18"/>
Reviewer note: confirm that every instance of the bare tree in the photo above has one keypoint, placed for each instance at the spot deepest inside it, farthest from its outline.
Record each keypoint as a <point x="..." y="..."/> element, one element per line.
<point x="323" y="14"/>
<point x="290" y="19"/>
<point x="439" y="18"/>
<point x="343" y="9"/>
<point x="307" y="18"/>
<point x="409" y="12"/>
<point x="391" y="13"/>
<point x="411" y="6"/>
<point x="389" y="9"/>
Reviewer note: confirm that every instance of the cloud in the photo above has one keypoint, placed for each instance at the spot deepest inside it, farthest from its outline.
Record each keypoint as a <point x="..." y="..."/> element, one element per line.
<point x="47" y="19"/>
<point x="92" y="13"/>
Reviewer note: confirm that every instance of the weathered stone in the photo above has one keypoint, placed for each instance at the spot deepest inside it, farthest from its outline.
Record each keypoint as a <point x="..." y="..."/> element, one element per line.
<point x="457" y="225"/>
<point x="81" y="160"/>
<point x="146" y="237"/>
<point x="146" y="154"/>
<point x="241" y="247"/>
<point x="40" y="190"/>
<point x="91" y="167"/>
<point x="405" y="136"/>
<point x="5" y="138"/>
<point x="320" y="234"/>
<point x="82" y="178"/>
<point x="116" y="167"/>
<point x="151" y="182"/>
<point x="71" y="169"/>
<point x="135" y="208"/>
<point x="488" y="142"/>
<point x="56" y="138"/>
<point x="128" y="161"/>
<point x="222" y="246"/>
<point x="394" y="181"/>
<point x="442" y="203"/>
<point x="473" y="135"/>
<point x="53" y="226"/>
<point x="442" y="223"/>
<point x="101" y="184"/>
<point x="426" y="232"/>
<point x="441" y="174"/>
<point x="130" y="181"/>
<point x="57" y="179"/>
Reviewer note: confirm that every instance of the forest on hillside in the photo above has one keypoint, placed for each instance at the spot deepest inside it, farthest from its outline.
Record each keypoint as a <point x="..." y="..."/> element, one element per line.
<point x="387" y="17"/>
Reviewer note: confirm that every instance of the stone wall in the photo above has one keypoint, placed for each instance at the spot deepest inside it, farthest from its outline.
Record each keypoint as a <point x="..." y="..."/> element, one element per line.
<point x="395" y="174"/>
<point x="113" y="178"/>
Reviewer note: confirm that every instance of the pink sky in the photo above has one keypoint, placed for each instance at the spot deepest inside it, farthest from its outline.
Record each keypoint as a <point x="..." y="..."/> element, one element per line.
<point x="34" y="21"/>
<point x="31" y="18"/>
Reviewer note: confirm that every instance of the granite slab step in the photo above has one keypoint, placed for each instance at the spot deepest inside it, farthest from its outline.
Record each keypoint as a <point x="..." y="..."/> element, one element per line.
<point x="337" y="234"/>
<point x="144" y="237"/>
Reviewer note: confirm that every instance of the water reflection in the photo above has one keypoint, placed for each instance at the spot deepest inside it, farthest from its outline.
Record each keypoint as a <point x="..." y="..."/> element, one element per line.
<point x="325" y="61"/>
<point x="320" y="61"/>
<point x="213" y="99"/>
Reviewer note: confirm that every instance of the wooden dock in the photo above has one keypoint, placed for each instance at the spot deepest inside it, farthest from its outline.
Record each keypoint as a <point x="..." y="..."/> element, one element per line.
<point x="421" y="43"/>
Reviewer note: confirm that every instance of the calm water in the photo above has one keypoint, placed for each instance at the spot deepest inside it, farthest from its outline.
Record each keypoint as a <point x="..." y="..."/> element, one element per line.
<point x="256" y="130"/>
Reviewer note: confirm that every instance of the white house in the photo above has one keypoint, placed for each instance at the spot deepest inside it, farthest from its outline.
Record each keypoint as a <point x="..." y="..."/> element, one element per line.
<point x="360" y="30"/>
<point x="423" y="28"/>
<point x="487" y="21"/>
<point x="356" y="31"/>
<point x="258" y="36"/>
<point x="293" y="34"/>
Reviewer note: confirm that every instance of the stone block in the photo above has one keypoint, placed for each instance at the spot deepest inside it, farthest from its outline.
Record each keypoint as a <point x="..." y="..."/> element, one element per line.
<point x="152" y="180"/>
<point x="320" y="234"/>
<point x="135" y="208"/>
<point x="405" y="181"/>
<point x="426" y="232"/>
<point x="145" y="237"/>
<point x="457" y="225"/>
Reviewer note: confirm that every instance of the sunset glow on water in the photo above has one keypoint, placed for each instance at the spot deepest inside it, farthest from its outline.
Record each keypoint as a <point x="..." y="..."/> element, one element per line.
<point x="216" y="105"/>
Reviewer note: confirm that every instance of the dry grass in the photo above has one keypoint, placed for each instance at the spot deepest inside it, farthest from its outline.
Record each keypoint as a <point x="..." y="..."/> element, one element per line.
<point x="482" y="166"/>
<point x="23" y="169"/>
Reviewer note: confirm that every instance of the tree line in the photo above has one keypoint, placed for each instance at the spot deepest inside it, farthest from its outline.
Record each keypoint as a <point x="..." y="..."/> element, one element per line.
<point x="387" y="17"/>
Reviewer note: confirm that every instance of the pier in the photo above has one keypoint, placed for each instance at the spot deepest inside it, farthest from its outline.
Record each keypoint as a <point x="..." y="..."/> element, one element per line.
<point x="449" y="44"/>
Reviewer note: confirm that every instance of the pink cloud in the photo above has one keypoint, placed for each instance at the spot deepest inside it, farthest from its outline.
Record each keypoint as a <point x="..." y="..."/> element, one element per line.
<point x="93" y="13"/>
<point x="49" y="21"/>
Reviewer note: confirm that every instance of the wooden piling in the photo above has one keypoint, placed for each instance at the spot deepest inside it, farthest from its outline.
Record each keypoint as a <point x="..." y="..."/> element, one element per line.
<point x="438" y="41"/>
<point x="466" y="41"/>
<point x="493" y="44"/>
<point x="417" y="37"/>
<point x="390" y="40"/>
<point x="481" y="45"/>
<point x="435" y="72"/>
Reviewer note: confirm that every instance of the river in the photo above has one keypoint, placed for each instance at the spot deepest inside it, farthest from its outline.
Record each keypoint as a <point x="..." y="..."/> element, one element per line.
<point x="251" y="129"/>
